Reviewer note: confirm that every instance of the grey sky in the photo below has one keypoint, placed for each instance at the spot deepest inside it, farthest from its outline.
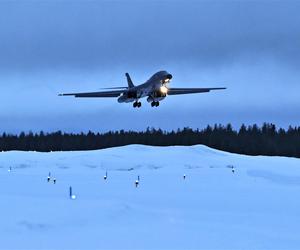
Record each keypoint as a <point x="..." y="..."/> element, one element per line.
<point x="47" y="47"/>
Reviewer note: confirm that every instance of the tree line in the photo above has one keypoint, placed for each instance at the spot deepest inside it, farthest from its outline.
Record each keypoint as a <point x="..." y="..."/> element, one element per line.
<point x="250" y="140"/>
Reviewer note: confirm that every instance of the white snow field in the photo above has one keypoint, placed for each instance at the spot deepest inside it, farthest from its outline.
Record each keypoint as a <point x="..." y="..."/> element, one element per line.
<point x="256" y="207"/>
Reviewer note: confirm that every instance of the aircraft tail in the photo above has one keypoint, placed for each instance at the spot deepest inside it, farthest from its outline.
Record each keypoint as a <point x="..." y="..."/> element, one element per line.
<point x="129" y="81"/>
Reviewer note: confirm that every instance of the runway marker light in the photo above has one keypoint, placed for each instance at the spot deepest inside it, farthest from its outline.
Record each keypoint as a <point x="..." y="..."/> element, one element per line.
<point x="72" y="196"/>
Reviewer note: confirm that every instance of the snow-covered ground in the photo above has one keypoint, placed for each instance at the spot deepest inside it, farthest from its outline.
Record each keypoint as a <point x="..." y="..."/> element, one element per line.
<point x="257" y="207"/>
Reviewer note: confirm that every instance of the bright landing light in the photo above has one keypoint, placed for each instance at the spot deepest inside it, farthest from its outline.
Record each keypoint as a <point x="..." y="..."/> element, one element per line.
<point x="164" y="89"/>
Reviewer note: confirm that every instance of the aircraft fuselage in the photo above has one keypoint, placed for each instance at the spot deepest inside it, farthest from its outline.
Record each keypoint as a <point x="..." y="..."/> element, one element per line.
<point x="152" y="88"/>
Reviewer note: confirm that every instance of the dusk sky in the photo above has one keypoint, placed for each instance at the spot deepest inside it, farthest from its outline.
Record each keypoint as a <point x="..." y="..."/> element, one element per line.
<point x="51" y="47"/>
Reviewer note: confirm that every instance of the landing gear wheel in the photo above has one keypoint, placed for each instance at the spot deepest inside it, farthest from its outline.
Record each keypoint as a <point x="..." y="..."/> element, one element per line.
<point x="137" y="104"/>
<point x="154" y="104"/>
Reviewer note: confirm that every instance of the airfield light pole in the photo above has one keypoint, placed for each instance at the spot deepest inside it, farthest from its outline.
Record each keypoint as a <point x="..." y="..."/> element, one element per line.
<point x="72" y="196"/>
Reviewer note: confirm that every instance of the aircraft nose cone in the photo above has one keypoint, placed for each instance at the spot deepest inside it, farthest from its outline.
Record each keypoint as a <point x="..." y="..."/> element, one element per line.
<point x="169" y="76"/>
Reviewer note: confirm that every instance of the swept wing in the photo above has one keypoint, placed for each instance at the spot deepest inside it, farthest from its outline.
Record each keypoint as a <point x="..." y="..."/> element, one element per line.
<point x="182" y="91"/>
<point x="113" y="93"/>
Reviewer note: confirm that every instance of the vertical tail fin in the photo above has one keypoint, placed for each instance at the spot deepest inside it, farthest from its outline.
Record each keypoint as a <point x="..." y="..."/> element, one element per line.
<point x="130" y="83"/>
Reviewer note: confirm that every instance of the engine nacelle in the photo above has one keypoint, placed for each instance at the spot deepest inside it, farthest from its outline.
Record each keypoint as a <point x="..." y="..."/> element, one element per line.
<point x="129" y="96"/>
<point x="150" y="99"/>
<point x="159" y="94"/>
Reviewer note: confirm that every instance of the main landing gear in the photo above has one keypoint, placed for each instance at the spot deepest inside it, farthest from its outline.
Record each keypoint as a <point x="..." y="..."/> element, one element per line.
<point x="154" y="104"/>
<point x="137" y="104"/>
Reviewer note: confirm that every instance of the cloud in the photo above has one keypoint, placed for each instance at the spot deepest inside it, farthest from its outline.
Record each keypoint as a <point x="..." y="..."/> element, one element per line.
<point x="104" y="34"/>
<point x="48" y="47"/>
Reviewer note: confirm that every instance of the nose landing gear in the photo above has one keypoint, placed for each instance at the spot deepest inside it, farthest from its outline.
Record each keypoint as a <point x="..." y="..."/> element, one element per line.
<point x="137" y="104"/>
<point x="154" y="104"/>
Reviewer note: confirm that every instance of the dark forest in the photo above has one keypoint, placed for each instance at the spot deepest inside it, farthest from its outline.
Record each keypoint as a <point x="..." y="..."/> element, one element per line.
<point x="250" y="140"/>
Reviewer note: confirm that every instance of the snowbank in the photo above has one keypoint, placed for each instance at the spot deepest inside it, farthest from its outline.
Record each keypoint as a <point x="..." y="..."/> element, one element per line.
<point x="257" y="206"/>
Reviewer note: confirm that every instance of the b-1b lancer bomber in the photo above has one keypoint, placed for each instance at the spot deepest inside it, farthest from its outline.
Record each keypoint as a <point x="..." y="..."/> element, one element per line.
<point x="155" y="89"/>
